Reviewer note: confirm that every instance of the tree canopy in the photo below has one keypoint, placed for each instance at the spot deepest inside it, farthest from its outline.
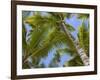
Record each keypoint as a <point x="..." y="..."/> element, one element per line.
<point x="46" y="36"/>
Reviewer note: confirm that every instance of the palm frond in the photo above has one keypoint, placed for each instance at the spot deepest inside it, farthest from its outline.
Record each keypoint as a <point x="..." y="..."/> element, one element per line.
<point x="83" y="16"/>
<point x="83" y="36"/>
<point x="70" y="27"/>
<point x="67" y="51"/>
<point x="75" y="61"/>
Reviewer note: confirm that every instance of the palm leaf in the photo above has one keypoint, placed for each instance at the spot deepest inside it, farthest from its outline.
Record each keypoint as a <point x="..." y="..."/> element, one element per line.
<point x="67" y="51"/>
<point x="83" y="35"/>
<point x="83" y="16"/>
<point x="69" y="27"/>
<point x="76" y="61"/>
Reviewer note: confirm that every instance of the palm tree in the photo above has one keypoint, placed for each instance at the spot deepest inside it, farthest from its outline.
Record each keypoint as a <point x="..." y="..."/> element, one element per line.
<point x="76" y="45"/>
<point x="47" y="31"/>
<point x="83" y="38"/>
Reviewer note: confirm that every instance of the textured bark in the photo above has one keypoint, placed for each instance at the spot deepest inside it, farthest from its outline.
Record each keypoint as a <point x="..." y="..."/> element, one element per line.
<point x="82" y="53"/>
<point x="79" y="50"/>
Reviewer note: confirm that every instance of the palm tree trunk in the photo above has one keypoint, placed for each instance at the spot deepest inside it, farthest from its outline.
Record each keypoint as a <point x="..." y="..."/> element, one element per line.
<point x="79" y="50"/>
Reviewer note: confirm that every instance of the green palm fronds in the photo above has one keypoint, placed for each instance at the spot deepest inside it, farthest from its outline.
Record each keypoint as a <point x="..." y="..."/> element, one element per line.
<point x="83" y="37"/>
<point x="47" y="33"/>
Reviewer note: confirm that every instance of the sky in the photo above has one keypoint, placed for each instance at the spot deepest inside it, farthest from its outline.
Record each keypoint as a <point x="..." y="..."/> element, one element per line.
<point x="65" y="57"/>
